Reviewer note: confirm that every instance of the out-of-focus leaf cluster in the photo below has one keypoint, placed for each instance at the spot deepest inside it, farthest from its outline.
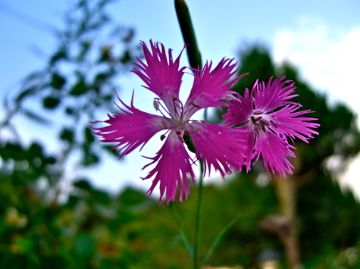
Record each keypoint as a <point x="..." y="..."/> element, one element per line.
<point x="78" y="80"/>
<point x="92" y="229"/>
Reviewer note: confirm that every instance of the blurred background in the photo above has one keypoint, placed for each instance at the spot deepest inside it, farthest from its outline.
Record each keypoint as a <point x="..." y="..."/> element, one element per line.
<point x="68" y="201"/>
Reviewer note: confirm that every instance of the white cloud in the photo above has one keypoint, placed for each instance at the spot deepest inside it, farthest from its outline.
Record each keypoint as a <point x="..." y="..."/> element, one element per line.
<point x="329" y="59"/>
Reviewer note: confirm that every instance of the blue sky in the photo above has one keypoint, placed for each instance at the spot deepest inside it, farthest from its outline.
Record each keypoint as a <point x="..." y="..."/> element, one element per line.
<point x="320" y="37"/>
<point x="220" y="25"/>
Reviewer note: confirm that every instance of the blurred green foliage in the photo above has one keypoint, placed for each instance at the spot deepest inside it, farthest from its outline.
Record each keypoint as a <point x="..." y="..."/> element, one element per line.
<point x="44" y="226"/>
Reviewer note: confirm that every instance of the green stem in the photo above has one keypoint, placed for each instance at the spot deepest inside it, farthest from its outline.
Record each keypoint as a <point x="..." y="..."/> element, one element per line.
<point x="194" y="56"/>
<point x="196" y="262"/>
<point x="188" y="33"/>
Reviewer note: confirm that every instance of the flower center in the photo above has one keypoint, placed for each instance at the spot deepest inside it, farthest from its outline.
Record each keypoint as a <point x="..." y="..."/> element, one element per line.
<point x="173" y="109"/>
<point x="260" y="121"/>
<point x="174" y="118"/>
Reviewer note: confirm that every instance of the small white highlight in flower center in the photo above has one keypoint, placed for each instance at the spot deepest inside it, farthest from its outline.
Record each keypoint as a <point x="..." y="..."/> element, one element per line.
<point x="260" y="120"/>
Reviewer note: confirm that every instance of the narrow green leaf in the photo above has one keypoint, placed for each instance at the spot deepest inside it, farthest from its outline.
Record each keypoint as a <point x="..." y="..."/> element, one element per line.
<point x="35" y="117"/>
<point x="218" y="238"/>
<point x="186" y="243"/>
<point x="89" y="137"/>
<point x="61" y="54"/>
<point x="24" y="93"/>
<point x="182" y="235"/>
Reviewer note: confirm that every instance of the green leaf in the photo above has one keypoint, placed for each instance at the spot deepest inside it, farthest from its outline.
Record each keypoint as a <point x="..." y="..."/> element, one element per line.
<point x="126" y="57"/>
<point x="25" y="244"/>
<point x="218" y="238"/>
<point x="106" y="54"/>
<point x="35" y="150"/>
<point x="82" y="184"/>
<point x="188" y="247"/>
<point x="72" y="201"/>
<point x="69" y="110"/>
<point x="84" y="49"/>
<point x="51" y="102"/>
<point x="67" y="134"/>
<point x="101" y="77"/>
<point x="24" y="93"/>
<point x="129" y="36"/>
<point x="61" y="54"/>
<point x="111" y="150"/>
<point x="89" y="137"/>
<point x="182" y="234"/>
<point x="57" y="81"/>
<point x="101" y="197"/>
<point x="90" y="159"/>
<point x="79" y="88"/>
<point x="50" y="160"/>
<point x="85" y="246"/>
<point x="12" y="151"/>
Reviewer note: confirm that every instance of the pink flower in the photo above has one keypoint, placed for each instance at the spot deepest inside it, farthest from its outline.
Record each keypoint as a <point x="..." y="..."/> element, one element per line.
<point x="172" y="164"/>
<point x="269" y="119"/>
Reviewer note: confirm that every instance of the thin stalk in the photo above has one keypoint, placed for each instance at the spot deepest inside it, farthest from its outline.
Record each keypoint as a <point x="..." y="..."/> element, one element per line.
<point x="196" y="263"/>
<point x="194" y="56"/>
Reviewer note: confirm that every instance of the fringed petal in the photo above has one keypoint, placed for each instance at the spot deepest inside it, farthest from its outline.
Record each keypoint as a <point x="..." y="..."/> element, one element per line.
<point x="273" y="94"/>
<point x="289" y="121"/>
<point x="249" y="141"/>
<point x="270" y="118"/>
<point x="211" y="86"/>
<point x="238" y="109"/>
<point x="129" y="129"/>
<point x="160" y="72"/>
<point x="274" y="151"/>
<point x="220" y="147"/>
<point x="172" y="170"/>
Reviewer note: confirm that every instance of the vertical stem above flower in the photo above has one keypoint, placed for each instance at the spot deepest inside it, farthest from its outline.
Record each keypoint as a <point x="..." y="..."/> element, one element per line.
<point x="188" y="33"/>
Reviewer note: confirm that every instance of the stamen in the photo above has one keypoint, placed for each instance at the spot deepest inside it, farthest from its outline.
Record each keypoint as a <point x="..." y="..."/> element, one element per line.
<point x="195" y="105"/>
<point x="163" y="136"/>
<point x="178" y="105"/>
<point x="255" y="119"/>
<point x="158" y="104"/>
